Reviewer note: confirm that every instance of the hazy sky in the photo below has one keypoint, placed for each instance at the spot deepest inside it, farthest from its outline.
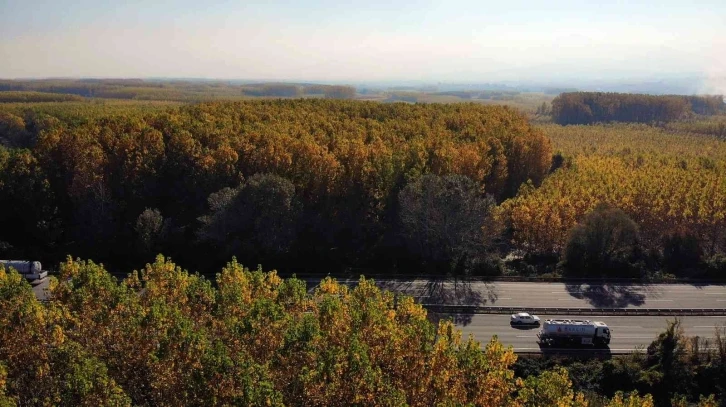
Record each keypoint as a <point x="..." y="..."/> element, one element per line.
<point x="339" y="40"/>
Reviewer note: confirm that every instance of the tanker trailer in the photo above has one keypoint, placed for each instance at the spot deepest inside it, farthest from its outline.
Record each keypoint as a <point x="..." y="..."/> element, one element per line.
<point x="568" y="332"/>
<point x="23" y="266"/>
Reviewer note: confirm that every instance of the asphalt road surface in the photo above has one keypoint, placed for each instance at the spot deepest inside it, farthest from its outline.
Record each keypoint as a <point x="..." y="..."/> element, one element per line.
<point x="40" y="288"/>
<point x="557" y="295"/>
<point x="549" y="295"/>
<point x="628" y="333"/>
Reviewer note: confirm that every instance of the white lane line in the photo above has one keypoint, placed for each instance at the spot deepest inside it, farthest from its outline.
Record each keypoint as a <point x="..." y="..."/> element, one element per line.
<point x="708" y="326"/>
<point x="575" y="349"/>
<point x="636" y="336"/>
<point x="713" y="293"/>
<point x="526" y="336"/>
<point x="624" y="326"/>
<point x="658" y="300"/>
<point x="503" y="298"/>
<point x="578" y="317"/>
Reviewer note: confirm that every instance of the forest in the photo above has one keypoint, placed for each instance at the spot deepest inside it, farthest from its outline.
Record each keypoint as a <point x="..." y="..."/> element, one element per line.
<point x="297" y="185"/>
<point x="46" y="90"/>
<point x="598" y="107"/>
<point x="166" y="337"/>
<point x="329" y="186"/>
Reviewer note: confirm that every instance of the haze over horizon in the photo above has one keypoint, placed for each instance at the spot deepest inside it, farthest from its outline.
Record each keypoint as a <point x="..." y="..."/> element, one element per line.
<point x="322" y="40"/>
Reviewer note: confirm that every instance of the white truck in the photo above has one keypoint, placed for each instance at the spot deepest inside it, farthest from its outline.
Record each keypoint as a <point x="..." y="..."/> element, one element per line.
<point x="31" y="270"/>
<point x="570" y="332"/>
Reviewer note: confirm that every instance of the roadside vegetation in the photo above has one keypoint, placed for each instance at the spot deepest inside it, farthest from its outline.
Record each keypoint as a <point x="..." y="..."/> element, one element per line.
<point x="675" y="369"/>
<point x="163" y="336"/>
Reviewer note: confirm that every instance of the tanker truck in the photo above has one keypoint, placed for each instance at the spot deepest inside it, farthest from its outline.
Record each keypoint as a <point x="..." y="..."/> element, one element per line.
<point x="569" y="332"/>
<point x="29" y="269"/>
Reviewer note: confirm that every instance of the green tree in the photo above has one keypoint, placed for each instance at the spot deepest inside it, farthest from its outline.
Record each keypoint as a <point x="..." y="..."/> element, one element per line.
<point x="259" y="218"/>
<point x="446" y="222"/>
<point x="681" y="252"/>
<point x="605" y="243"/>
<point x="149" y="228"/>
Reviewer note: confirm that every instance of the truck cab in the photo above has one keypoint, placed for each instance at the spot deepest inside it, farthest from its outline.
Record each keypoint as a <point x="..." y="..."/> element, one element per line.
<point x="602" y="332"/>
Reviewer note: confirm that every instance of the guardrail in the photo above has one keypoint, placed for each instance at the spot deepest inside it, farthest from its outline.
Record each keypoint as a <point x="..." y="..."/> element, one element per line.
<point x="589" y="353"/>
<point x="574" y="353"/>
<point x="524" y="279"/>
<point x="474" y="309"/>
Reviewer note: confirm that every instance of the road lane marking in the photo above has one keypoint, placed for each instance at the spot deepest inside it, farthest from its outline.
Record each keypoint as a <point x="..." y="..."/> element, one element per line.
<point x="660" y="300"/>
<point x="576" y="350"/>
<point x="624" y="326"/>
<point x="636" y="336"/>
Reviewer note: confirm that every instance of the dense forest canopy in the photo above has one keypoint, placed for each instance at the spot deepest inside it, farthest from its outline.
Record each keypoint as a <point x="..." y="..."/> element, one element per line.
<point x="122" y="180"/>
<point x="670" y="182"/>
<point x="597" y="107"/>
<point x="80" y="184"/>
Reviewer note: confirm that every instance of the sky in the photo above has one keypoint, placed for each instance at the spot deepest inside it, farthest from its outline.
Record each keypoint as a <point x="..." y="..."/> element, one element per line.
<point x="375" y="40"/>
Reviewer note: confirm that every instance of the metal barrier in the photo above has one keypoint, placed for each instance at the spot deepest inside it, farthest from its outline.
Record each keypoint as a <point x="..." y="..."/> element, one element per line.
<point x="581" y="353"/>
<point x="475" y="309"/>
<point x="372" y="274"/>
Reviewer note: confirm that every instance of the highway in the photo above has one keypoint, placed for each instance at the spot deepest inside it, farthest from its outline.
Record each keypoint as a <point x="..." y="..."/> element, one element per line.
<point x="628" y="333"/>
<point x="556" y="295"/>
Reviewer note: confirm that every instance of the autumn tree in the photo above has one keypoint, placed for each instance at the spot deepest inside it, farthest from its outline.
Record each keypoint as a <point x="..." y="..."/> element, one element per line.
<point x="39" y="364"/>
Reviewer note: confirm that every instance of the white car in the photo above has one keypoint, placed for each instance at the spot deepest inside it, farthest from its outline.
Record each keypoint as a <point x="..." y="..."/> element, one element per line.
<point x="524" y="318"/>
